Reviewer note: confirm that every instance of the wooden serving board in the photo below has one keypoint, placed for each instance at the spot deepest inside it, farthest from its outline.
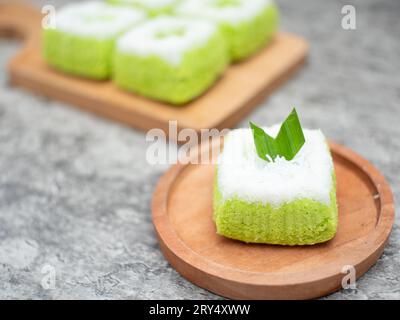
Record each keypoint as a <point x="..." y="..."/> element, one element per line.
<point x="182" y="216"/>
<point x="242" y="87"/>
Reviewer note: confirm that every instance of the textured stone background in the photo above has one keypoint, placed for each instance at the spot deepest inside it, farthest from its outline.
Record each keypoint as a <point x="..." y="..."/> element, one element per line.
<point x="75" y="190"/>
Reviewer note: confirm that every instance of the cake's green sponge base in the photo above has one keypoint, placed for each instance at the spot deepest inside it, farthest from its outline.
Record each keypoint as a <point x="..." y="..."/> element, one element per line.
<point x="153" y="77"/>
<point x="82" y="56"/>
<point x="300" y="222"/>
<point x="249" y="37"/>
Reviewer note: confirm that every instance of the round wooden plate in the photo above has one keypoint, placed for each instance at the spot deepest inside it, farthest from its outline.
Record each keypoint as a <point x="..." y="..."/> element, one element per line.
<point x="182" y="216"/>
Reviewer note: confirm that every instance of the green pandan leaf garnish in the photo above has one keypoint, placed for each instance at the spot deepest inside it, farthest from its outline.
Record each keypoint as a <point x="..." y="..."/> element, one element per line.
<point x="287" y="143"/>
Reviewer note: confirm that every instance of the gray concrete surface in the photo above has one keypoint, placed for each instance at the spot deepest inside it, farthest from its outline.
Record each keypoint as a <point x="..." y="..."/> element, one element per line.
<point x="75" y="190"/>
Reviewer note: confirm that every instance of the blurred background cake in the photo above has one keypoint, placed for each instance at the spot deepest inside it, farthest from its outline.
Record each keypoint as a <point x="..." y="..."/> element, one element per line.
<point x="170" y="59"/>
<point x="248" y="25"/>
<point x="152" y="7"/>
<point x="82" y="41"/>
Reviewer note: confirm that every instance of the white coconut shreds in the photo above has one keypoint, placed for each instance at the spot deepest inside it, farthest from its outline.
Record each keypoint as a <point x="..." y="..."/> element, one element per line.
<point x="151" y="4"/>
<point x="168" y="38"/>
<point x="242" y="174"/>
<point x="228" y="11"/>
<point x="96" y="19"/>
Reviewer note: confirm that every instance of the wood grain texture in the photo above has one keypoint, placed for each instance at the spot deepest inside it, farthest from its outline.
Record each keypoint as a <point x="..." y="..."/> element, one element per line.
<point x="182" y="216"/>
<point x="241" y="88"/>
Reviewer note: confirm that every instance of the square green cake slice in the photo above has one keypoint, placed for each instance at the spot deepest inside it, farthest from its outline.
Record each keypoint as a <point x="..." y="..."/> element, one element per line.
<point x="170" y="59"/>
<point x="281" y="202"/>
<point x="83" y="39"/>
<point x="247" y="25"/>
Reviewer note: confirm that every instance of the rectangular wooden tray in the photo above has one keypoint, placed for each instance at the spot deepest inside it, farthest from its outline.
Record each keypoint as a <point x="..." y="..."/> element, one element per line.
<point x="242" y="87"/>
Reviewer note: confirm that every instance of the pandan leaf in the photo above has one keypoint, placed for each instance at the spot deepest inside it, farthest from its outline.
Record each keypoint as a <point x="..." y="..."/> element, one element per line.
<point x="287" y="143"/>
<point x="265" y="144"/>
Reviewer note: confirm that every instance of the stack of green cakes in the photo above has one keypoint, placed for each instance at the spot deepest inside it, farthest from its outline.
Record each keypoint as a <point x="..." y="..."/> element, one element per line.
<point x="169" y="50"/>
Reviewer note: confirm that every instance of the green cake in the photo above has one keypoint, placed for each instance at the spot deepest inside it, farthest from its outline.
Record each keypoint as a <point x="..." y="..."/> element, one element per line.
<point x="247" y="25"/>
<point x="170" y="59"/>
<point x="82" y="42"/>
<point x="280" y="202"/>
<point x="152" y="7"/>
